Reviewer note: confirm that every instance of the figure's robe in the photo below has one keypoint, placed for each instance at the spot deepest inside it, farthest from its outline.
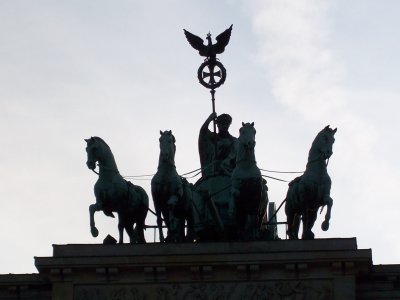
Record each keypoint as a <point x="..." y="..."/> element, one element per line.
<point x="217" y="153"/>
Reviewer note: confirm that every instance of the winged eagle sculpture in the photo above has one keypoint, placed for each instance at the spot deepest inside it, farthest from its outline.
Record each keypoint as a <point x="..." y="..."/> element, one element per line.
<point x="210" y="50"/>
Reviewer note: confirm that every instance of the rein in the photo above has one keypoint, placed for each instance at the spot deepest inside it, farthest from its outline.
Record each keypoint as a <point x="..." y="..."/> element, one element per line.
<point x="199" y="170"/>
<point x="274" y="178"/>
<point x="282" y="172"/>
<point x="106" y="168"/>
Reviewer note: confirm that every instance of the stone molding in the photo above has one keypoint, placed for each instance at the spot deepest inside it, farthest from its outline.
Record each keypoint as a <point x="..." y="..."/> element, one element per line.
<point x="317" y="269"/>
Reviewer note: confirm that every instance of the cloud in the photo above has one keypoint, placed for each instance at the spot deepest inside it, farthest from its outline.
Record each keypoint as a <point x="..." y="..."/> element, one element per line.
<point x="294" y="48"/>
<point x="307" y="76"/>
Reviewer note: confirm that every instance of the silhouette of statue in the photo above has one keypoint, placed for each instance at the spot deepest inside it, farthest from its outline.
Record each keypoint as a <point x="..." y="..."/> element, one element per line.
<point x="211" y="73"/>
<point x="311" y="190"/>
<point x="217" y="150"/>
<point x="210" y="50"/>
<point x="249" y="190"/>
<point x="115" y="194"/>
<point x="170" y="194"/>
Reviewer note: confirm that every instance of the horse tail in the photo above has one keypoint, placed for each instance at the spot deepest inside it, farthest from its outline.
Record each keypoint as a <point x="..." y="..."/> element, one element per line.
<point x="292" y="195"/>
<point x="143" y="196"/>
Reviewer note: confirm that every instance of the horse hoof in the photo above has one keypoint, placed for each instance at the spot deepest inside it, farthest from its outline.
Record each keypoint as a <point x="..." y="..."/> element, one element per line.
<point x="94" y="232"/>
<point x="292" y="236"/>
<point x="308" y="236"/>
<point x="325" y="225"/>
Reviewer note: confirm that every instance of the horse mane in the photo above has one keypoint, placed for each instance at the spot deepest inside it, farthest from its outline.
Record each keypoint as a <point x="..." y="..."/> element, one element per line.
<point x="99" y="139"/>
<point x="317" y="137"/>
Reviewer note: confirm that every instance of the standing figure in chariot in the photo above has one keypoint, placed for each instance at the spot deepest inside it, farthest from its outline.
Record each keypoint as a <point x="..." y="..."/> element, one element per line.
<point x="217" y="150"/>
<point x="217" y="153"/>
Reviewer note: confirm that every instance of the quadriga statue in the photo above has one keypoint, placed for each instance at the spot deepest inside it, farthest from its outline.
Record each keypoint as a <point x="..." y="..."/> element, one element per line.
<point x="115" y="194"/>
<point x="310" y="191"/>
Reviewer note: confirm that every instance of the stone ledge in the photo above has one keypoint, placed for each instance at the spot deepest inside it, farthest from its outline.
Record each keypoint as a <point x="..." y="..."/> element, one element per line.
<point x="21" y="279"/>
<point x="24" y="286"/>
<point x="334" y="254"/>
<point x="90" y="250"/>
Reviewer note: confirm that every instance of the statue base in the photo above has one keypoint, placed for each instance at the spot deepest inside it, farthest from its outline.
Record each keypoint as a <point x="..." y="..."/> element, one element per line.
<point x="283" y="269"/>
<point x="286" y="269"/>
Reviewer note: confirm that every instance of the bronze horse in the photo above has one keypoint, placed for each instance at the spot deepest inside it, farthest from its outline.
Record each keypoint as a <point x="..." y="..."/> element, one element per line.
<point x="249" y="190"/>
<point x="169" y="193"/>
<point x="115" y="194"/>
<point x="310" y="191"/>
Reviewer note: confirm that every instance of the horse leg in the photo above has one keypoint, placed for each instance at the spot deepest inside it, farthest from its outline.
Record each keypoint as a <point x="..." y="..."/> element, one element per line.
<point x="190" y="230"/>
<point x="296" y="226"/>
<point x="189" y="237"/>
<point x="175" y="233"/>
<point x="291" y="224"/>
<point x="139" y="231"/>
<point x="121" y="230"/>
<point x="140" y="224"/>
<point x="174" y="228"/>
<point x="159" y="220"/>
<point x="131" y="233"/>
<point x="328" y="203"/>
<point x="181" y="230"/>
<point x="292" y="220"/>
<point x="309" y="218"/>
<point x="92" y="209"/>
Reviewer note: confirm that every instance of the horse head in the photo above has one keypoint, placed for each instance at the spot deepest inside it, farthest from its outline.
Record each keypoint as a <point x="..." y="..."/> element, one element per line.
<point x="167" y="146"/>
<point x="247" y="135"/>
<point x="95" y="150"/>
<point x="322" y="145"/>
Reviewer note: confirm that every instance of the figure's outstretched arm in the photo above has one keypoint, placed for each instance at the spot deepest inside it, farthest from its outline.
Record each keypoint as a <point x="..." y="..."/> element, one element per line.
<point x="211" y="117"/>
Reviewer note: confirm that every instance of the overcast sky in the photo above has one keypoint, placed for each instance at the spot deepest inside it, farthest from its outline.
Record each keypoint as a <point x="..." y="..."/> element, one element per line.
<point x="124" y="70"/>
